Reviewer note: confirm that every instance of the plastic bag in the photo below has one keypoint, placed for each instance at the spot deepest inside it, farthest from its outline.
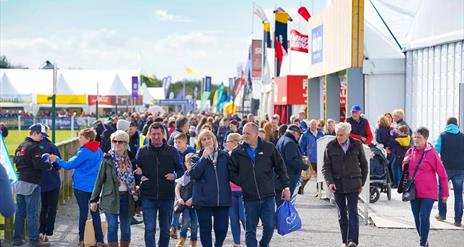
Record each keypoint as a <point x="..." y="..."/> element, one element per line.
<point x="288" y="219"/>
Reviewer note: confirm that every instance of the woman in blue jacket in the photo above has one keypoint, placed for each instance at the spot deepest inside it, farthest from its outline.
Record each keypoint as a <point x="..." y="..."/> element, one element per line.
<point x="86" y="164"/>
<point x="212" y="196"/>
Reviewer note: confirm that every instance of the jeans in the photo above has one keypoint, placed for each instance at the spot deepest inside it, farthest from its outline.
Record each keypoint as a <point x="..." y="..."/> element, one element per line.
<point x="175" y="221"/>
<point x="83" y="200"/>
<point x="237" y="215"/>
<point x="151" y="210"/>
<point x="189" y="220"/>
<point x="295" y="191"/>
<point x="457" y="179"/>
<point x="221" y="225"/>
<point x="347" y="206"/>
<point x="48" y="211"/>
<point x="396" y="169"/>
<point x="125" y="221"/>
<point x="27" y="208"/>
<point x="263" y="209"/>
<point x="421" y="209"/>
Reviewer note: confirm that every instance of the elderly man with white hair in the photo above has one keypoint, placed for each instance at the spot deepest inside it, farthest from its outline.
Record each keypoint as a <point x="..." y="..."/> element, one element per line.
<point x="345" y="171"/>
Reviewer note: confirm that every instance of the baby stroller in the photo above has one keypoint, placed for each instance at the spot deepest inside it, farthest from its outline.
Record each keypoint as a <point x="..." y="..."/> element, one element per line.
<point x="379" y="175"/>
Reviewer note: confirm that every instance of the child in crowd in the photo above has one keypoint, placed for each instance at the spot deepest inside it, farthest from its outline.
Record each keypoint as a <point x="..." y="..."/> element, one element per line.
<point x="402" y="142"/>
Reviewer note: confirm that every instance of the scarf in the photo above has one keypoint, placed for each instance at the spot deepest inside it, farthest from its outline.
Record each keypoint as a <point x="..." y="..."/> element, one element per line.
<point x="124" y="170"/>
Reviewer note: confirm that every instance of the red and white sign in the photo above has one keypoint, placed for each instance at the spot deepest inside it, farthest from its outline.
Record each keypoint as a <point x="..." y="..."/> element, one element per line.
<point x="298" y="41"/>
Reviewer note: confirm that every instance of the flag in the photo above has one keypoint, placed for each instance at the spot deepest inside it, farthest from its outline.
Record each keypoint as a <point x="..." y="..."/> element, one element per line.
<point x="260" y="13"/>
<point x="248" y="67"/>
<point x="190" y="71"/>
<point x="220" y="97"/>
<point x="304" y="13"/>
<point x="166" y="84"/>
<point x="267" y="34"/>
<point x="5" y="161"/>
<point x="280" y="34"/>
<point x="181" y="93"/>
<point x="298" y="41"/>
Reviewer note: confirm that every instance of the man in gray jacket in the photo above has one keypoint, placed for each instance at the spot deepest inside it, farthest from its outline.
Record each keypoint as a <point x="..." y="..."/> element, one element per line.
<point x="345" y="171"/>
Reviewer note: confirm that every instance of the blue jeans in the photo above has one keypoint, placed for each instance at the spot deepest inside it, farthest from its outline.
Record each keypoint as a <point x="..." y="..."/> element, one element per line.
<point x="457" y="178"/>
<point x="189" y="220"/>
<point x="221" y="224"/>
<point x="125" y="221"/>
<point x="237" y="215"/>
<point x="83" y="200"/>
<point x="396" y="169"/>
<point x="151" y="209"/>
<point x="347" y="206"/>
<point x="421" y="209"/>
<point x="263" y="209"/>
<point x="27" y="208"/>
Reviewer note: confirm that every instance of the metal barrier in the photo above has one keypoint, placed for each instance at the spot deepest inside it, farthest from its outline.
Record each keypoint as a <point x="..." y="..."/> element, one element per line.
<point x="67" y="149"/>
<point x="325" y="193"/>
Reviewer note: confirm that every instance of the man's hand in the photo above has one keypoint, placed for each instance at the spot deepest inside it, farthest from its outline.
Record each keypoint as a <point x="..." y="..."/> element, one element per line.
<point x="332" y="188"/>
<point x="406" y="159"/>
<point x="286" y="194"/>
<point x="180" y="201"/>
<point x="363" y="139"/>
<point x="52" y="157"/>
<point x="93" y="207"/>
<point x="170" y="176"/>
<point x="188" y="203"/>
<point x="138" y="171"/>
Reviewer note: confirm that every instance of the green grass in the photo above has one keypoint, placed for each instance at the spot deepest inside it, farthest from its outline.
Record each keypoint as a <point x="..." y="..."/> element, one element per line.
<point x="15" y="137"/>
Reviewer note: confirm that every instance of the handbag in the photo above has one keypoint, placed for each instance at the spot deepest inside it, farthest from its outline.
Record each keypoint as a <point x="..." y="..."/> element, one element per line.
<point x="288" y="219"/>
<point x="409" y="191"/>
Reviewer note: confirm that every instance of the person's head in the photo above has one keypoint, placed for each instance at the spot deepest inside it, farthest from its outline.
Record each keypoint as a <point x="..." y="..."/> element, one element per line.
<point x="302" y="115"/>
<point x="312" y="125"/>
<point x="294" y="130"/>
<point x="251" y="118"/>
<point x="250" y="134"/>
<point x="234" y="125"/>
<point x="320" y="124"/>
<point x="281" y="130"/>
<point x="403" y="130"/>
<point x="398" y="115"/>
<point x="420" y="137"/>
<point x="180" y="141"/>
<point x="132" y="128"/>
<point x="268" y="131"/>
<point x="171" y="123"/>
<point x="295" y="121"/>
<point x="356" y="112"/>
<point x="119" y="140"/>
<point x="452" y="120"/>
<point x="233" y="139"/>
<point x="156" y="133"/>
<point x="275" y="120"/>
<point x="342" y="131"/>
<point x="188" y="161"/>
<point x="262" y="123"/>
<point x="37" y="132"/>
<point x="206" y="138"/>
<point x="330" y="125"/>
<point x="206" y="127"/>
<point x="86" y="135"/>
<point x="389" y="117"/>
<point x="123" y="125"/>
<point x="183" y="124"/>
<point x="262" y="133"/>
<point x="382" y="122"/>
<point x="225" y="122"/>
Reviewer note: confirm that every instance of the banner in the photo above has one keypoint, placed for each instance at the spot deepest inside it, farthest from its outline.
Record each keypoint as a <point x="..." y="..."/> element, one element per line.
<point x="5" y="161"/>
<point x="62" y="99"/>
<point x="17" y="99"/>
<point x="317" y="35"/>
<point x="280" y="34"/>
<point x="135" y="86"/>
<point x="206" y="85"/>
<point x="298" y="41"/>
<point x="257" y="64"/>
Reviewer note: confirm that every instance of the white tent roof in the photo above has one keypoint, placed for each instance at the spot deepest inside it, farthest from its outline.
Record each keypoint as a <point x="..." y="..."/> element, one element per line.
<point x="152" y="93"/>
<point x="117" y="88"/>
<point x="6" y="88"/>
<point x="62" y="86"/>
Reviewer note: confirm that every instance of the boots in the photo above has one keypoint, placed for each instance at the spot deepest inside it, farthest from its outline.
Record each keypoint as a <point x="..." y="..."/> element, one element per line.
<point x="173" y="232"/>
<point x="124" y="244"/>
<point x="111" y="244"/>
<point x="181" y="242"/>
<point x="193" y="243"/>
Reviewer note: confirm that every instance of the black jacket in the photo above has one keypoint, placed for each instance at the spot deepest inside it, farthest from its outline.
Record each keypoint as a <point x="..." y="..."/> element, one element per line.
<point x="452" y="150"/>
<point x="291" y="154"/>
<point x="347" y="171"/>
<point x="29" y="162"/>
<point x="256" y="176"/>
<point x="211" y="183"/>
<point x="155" y="163"/>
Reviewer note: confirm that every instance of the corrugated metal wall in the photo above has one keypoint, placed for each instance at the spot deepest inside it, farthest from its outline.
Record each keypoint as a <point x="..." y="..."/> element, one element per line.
<point x="433" y="75"/>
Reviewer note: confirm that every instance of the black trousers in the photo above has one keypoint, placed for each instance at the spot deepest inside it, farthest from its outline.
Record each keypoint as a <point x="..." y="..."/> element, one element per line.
<point x="48" y="211"/>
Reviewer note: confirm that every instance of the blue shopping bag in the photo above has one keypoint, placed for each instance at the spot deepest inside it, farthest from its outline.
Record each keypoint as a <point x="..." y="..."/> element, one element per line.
<point x="288" y="219"/>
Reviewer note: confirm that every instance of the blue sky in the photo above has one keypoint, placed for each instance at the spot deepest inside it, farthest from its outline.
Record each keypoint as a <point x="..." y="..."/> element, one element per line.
<point x="158" y="37"/>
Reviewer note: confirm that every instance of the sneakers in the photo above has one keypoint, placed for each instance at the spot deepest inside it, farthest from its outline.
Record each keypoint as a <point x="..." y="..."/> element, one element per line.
<point x="40" y="243"/>
<point x="352" y="244"/>
<point x="100" y="244"/>
<point x="43" y="237"/>
<point x="81" y="244"/>
<point x="458" y="224"/>
<point x="439" y="218"/>
<point x="18" y="242"/>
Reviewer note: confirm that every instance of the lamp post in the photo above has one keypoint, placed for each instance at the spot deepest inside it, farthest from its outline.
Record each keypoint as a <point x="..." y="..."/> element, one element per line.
<point x="96" y="101"/>
<point x="49" y="65"/>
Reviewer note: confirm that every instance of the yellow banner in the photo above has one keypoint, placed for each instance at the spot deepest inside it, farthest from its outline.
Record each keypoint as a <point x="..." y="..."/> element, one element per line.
<point x="62" y="99"/>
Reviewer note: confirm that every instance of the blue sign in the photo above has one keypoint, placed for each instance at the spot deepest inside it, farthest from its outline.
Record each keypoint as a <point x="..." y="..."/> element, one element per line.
<point x="174" y="102"/>
<point x="317" y="44"/>
<point x="62" y="123"/>
<point x="207" y="84"/>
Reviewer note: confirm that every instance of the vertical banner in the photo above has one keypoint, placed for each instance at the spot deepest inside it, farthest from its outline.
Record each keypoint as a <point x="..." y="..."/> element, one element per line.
<point x="281" y="41"/>
<point x="317" y="35"/>
<point x="257" y="64"/>
<point x="206" y="85"/>
<point x="5" y="161"/>
<point x="135" y="87"/>
<point x="343" y="97"/>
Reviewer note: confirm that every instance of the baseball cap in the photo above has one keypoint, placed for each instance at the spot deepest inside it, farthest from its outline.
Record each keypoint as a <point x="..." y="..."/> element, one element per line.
<point x="356" y="108"/>
<point x="293" y="127"/>
<point x="39" y="128"/>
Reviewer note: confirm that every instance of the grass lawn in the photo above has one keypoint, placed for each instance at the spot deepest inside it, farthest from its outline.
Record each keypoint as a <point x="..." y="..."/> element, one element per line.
<point x="16" y="137"/>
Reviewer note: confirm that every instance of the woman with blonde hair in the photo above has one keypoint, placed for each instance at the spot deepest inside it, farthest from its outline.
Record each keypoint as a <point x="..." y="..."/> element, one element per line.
<point x="212" y="196"/>
<point x="269" y="137"/>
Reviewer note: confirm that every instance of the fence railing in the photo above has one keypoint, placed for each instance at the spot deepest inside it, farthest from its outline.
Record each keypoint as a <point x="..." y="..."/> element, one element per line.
<point x="62" y="123"/>
<point x="67" y="149"/>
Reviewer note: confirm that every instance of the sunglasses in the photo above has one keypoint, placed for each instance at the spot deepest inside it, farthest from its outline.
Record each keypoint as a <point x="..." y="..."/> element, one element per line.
<point x="118" y="142"/>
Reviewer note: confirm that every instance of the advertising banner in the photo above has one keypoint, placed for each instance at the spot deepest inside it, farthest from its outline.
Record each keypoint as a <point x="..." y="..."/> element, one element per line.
<point x="135" y="86"/>
<point x="206" y="85"/>
<point x="298" y="41"/>
<point x="62" y="99"/>
<point x="17" y="99"/>
<point x="317" y="44"/>
<point x="257" y="64"/>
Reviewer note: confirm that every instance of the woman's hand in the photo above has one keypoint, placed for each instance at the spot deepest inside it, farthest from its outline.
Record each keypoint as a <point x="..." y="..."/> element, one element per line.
<point x="406" y="160"/>
<point x="138" y="171"/>
<point x="444" y="199"/>
<point x="188" y="203"/>
<point x="180" y="201"/>
<point x="93" y="207"/>
<point x="207" y="152"/>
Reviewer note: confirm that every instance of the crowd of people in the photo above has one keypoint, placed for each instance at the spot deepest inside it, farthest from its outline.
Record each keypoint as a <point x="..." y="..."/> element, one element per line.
<point x="203" y="172"/>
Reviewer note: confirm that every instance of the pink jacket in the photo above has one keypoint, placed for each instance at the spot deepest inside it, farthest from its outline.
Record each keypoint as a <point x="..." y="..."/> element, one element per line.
<point x="426" y="177"/>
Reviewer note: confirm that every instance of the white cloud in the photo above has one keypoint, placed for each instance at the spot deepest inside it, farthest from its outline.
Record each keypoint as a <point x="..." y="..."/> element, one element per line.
<point x="163" y="15"/>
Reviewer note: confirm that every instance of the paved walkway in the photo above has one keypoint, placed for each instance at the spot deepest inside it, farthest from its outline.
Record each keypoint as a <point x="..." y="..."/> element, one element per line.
<point x="320" y="228"/>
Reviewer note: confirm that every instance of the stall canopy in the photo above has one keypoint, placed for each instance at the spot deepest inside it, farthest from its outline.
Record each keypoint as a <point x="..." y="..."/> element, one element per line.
<point x="152" y="93"/>
<point x="6" y="88"/>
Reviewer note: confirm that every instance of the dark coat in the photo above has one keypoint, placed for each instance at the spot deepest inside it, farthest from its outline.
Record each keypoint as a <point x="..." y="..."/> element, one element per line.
<point x="211" y="182"/>
<point x="347" y="171"/>
<point x="256" y="176"/>
<point x="50" y="178"/>
<point x="382" y="136"/>
<point x="291" y="154"/>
